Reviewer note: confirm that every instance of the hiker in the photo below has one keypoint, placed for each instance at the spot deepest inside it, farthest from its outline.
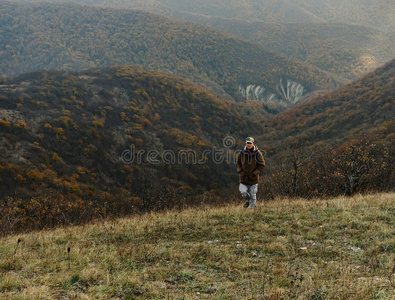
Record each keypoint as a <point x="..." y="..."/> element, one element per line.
<point x="250" y="163"/>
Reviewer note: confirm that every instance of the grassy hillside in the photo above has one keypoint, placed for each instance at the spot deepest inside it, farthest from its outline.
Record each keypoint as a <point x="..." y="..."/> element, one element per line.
<point x="340" y="248"/>
<point x="72" y="37"/>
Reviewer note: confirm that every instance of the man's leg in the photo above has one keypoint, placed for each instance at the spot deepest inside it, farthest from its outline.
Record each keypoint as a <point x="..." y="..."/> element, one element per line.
<point x="244" y="192"/>
<point x="253" y="191"/>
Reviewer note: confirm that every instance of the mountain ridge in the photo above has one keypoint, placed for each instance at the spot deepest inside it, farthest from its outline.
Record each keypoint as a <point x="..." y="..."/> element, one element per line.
<point x="371" y="15"/>
<point x="63" y="36"/>
<point x="349" y="51"/>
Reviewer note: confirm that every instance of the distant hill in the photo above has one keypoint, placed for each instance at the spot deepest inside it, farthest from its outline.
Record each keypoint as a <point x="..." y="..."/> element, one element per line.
<point x="72" y="37"/>
<point x="363" y="108"/>
<point x="119" y="130"/>
<point x="348" y="51"/>
<point x="345" y="38"/>
<point x="369" y="13"/>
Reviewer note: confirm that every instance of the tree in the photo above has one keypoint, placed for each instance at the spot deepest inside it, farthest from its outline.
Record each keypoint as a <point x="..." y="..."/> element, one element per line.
<point x="359" y="162"/>
<point x="289" y="171"/>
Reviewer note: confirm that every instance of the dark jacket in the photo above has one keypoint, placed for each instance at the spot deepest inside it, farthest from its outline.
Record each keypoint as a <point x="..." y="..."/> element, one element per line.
<point x="249" y="164"/>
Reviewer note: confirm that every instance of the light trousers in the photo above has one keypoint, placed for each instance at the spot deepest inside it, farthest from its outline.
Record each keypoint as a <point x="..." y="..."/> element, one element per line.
<point x="249" y="193"/>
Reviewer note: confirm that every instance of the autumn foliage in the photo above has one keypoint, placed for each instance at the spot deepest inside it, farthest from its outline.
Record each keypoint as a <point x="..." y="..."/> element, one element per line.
<point x="63" y="136"/>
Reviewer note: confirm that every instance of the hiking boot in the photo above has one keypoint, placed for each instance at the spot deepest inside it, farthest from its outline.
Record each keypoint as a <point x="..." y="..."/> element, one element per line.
<point x="246" y="204"/>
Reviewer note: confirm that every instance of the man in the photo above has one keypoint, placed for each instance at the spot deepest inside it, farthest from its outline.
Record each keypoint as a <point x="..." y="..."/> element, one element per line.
<point x="250" y="163"/>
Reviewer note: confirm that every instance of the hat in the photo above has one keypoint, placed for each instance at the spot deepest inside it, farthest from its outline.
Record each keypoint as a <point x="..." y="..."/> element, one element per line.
<point x="249" y="140"/>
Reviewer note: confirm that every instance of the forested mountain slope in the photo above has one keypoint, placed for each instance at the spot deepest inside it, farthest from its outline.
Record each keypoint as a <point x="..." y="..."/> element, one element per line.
<point x="342" y="37"/>
<point x="73" y="37"/>
<point x="349" y="51"/>
<point x="86" y="133"/>
<point x="363" y="108"/>
<point x="342" y="142"/>
<point x="110" y="142"/>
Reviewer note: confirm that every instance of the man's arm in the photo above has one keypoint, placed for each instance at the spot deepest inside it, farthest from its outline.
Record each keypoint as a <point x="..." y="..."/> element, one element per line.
<point x="239" y="164"/>
<point x="260" y="162"/>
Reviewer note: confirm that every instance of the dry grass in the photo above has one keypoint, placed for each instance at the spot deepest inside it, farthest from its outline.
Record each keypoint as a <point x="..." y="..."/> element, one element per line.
<point x="342" y="248"/>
